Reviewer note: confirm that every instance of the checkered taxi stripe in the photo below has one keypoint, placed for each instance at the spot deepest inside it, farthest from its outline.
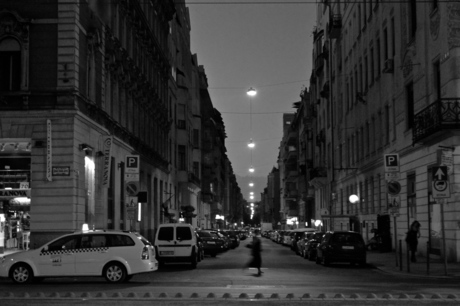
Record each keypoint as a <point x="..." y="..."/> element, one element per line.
<point x="84" y="250"/>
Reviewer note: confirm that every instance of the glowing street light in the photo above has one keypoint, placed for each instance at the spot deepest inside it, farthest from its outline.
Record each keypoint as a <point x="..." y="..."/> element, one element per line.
<point x="251" y="184"/>
<point x="251" y="144"/>
<point x="251" y="169"/>
<point x="251" y="92"/>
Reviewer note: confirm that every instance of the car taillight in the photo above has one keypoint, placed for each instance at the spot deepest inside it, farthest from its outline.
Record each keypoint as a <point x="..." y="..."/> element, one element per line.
<point x="145" y="253"/>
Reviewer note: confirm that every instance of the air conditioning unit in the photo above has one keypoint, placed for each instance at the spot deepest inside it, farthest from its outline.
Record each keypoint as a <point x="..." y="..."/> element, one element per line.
<point x="388" y="67"/>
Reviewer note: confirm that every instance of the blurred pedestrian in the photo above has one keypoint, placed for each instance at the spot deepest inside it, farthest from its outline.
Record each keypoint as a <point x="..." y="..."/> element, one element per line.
<point x="256" y="249"/>
<point x="412" y="239"/>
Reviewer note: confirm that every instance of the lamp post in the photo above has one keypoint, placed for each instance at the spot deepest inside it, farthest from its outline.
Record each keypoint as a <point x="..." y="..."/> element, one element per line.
<point x="251" y="93"/>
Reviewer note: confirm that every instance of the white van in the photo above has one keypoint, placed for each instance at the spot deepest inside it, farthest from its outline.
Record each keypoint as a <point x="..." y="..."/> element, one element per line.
<point x="176" y="242"/>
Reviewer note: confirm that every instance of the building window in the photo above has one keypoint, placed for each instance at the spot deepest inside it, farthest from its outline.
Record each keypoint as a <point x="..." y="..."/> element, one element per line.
<point x="372" y="66"/>
<point x="393" y="38"/>
<point x="378" y="58"/>
<point x="385" y="44"/>
<point x="410" y="105"/>
<point x="10" y="65"/>
<point x="437" y="80"/>
<point x="412" y="18"/>
<point x="411" y="195"/>
<point x="181" y="124"/>
<point x="196" y="169"/>
<point x="182" y="158"/>
<point x="196" y="138"/>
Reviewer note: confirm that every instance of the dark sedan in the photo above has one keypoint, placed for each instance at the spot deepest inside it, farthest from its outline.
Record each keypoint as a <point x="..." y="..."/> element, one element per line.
<point x="341" y="247"/>
<point x="212" y="243"/>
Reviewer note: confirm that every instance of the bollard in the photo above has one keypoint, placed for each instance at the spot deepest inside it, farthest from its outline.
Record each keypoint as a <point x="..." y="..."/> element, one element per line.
<point x="408" y="257"/>
<point x="400" y="256"/>
<point x="428" y="258"/>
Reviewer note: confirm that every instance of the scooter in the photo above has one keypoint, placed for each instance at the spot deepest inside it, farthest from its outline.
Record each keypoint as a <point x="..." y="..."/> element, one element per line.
<point x="374" y="243"/>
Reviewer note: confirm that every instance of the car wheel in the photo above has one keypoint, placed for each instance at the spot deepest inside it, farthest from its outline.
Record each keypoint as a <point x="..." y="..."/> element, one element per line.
<point x="128" y="278"/>
<point x="22" y="274"/>
<point x="115" y="272"/>
<point x="325" y="261"/>
<point x="310" y="256"/>
<point x="194" y="259"/>
<point x="318" y="259"/>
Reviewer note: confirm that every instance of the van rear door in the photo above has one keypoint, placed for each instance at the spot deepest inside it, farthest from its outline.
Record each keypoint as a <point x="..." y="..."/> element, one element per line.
<point x="184" y="241"/>
<point x="166" y="242"/>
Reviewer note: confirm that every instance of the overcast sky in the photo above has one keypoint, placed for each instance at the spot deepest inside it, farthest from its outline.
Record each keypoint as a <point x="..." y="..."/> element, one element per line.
<point x="253" y="43"/>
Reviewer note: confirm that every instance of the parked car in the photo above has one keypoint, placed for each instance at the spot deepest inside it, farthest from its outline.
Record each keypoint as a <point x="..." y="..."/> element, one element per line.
<point x="115" y="255"/>
<point x="212" y="243"/>
<point x="286" y="238"/>
<point x="233" y="236"/>
<point x="341" y="247"/>
<point x="309" y="250"/>
<point x="176" y="242"/>
<point x="300" y="236"/>
<point x="281" y="236"/>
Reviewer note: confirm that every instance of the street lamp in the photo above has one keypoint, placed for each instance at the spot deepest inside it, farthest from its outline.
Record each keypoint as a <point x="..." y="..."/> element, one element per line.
<point x="251" y="169"/>
<point x="353" y="199"/>
<point x="251" y="184"/>
<point x="251" y="92"/>
<point x="251" y="144"/>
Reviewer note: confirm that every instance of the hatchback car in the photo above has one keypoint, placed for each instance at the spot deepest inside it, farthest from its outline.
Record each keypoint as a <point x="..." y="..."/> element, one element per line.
<point x="341" y="247"/>
<point x="115" y="255"/>
<point x="309" y="250"/>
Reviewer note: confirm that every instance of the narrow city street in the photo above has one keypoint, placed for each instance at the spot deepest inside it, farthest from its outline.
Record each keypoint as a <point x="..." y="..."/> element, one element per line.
<point x="284" y="273"/>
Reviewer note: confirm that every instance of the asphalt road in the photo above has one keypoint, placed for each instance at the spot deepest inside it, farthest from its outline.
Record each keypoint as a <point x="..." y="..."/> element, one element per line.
<point x="285" y="275"/>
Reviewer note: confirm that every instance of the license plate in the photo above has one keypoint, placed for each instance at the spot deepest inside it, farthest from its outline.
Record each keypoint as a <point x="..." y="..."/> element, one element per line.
<point x="166" y="252"/>
<point x="211" y="242"/>
<point x="347" y="247"/>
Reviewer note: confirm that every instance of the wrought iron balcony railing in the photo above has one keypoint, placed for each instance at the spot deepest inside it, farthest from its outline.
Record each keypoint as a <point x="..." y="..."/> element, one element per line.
<point x="440" y="115"/>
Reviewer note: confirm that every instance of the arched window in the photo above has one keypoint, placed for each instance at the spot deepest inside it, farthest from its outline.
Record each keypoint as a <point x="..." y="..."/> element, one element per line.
<point x="10" y="65"/>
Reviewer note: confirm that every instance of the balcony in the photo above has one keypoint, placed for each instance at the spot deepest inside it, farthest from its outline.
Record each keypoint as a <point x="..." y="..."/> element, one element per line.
<point x="319" y="64"/>
<point x="335" y="26"/>
<point x="192" y="178"/>
<point x="318" y="172"/>
<point x="442" y="115"/>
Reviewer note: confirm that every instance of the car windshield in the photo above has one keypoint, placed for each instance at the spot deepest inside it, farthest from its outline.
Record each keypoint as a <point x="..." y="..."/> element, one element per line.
<point x="346" y="238"/>
<point x="205" y="234"/>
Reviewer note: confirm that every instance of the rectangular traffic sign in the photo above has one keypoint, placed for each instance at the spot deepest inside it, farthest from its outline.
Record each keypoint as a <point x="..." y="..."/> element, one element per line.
<point x="440" y="187"/>
<point x="392" y="176"/>
<point x="391" y="162"/>
<point x="132" y="163"/>
<point x="439" y="173"/>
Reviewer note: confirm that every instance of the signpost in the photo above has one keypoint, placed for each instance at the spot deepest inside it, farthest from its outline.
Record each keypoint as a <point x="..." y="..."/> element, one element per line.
<point x="132" y="163"/>
<point x="392" y="174"/>
<point x="441" y="191"/>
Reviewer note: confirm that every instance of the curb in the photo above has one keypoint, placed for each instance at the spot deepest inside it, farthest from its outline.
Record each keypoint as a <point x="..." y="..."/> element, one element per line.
<point x="226" y="296"/>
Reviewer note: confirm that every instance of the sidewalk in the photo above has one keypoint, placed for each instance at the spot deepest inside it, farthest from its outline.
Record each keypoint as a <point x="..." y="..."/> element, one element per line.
<point x="387" y="262"/>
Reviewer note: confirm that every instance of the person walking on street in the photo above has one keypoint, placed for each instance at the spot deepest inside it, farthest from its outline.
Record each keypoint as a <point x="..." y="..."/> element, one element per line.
<point x="256" y="248"/>
<point x="412" y="239"/>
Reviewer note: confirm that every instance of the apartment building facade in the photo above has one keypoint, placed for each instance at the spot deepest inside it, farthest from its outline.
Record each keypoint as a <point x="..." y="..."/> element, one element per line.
<point x="383" y="86"/>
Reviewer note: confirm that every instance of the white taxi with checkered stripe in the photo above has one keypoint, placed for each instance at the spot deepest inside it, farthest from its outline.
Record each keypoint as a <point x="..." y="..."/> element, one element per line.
<point x="115" y="255"/>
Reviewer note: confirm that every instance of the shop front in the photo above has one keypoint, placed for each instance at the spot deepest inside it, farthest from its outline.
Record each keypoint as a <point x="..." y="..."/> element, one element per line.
<point x="14" y="219"/>
<point x="15" y="194"/>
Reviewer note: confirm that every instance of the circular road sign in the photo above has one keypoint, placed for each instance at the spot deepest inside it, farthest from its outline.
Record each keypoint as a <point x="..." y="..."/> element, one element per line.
<point x="132" y="188"/>
<point x="393" y="188"/>
<point x="440" y="185"/>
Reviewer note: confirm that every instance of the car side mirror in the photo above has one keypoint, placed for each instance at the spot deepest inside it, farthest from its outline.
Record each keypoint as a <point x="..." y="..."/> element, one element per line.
<point x="45" y="249"/>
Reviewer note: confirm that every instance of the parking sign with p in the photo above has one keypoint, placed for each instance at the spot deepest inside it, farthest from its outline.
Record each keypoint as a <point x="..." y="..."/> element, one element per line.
<point x="391" y="162"/>
<point x="132" y="164"/>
